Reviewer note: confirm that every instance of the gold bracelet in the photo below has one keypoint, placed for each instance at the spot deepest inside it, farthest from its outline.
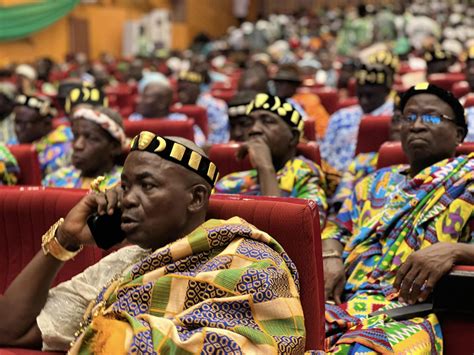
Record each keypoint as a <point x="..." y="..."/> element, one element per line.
<point x="331" y="254"/>
<point x="50" y="244"/>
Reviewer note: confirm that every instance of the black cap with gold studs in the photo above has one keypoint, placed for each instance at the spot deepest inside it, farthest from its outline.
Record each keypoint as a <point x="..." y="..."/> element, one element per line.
<point x="40" y="104"/>
<point x="177" y="153"/>
<point x="374" y="74"/>
<point x="437" y="54"/>
<point x="85" y="95"/>
<point x="191" y="76"/>
<point x="470" y="54"/>
<point x="385" y="58"/>
<point x="278" y="106"/>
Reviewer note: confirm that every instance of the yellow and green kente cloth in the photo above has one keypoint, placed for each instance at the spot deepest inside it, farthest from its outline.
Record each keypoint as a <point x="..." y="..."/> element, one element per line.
<point x="388" y="217"/>
<point x="225" y="288"/>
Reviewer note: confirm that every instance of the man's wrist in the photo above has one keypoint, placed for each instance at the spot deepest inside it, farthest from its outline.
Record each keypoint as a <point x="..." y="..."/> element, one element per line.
<point x="65" y="241"/>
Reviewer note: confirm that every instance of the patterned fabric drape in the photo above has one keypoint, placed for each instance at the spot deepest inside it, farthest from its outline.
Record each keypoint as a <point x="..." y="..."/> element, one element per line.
<point x="20" y="21"/>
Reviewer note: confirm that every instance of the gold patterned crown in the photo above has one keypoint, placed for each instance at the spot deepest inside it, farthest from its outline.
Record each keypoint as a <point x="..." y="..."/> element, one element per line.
<point x="191" y="76"/>
<point x="385" y="58"/>
<point x="85" y="95"/>
<point x="437" y="54"/>
<point x="279" y="106"/>
<point x="374" y="74"/>
<point x="177" y="153"/>
<point x="42" y="105"/>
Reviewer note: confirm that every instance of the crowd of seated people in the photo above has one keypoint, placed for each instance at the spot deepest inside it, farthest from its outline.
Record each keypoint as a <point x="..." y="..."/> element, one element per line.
<point x="186" y="284"/>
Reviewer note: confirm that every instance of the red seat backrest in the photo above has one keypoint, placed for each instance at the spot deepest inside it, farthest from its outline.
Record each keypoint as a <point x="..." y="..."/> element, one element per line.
<point x="224" y="156"/>
<point x="309" y="129"/>
<point x="225" y="95"/>
<point x="469" y="102"/>
<point x="198" y="113"/>
<point x="26" y="214"/>
<point x="460" y="89"/>
<point x="391" y="153"/>
<point x="373" y="132"/>
<point x="160" y="126"/>
<point x="294" y="223"/>
<point x="328" y="96"/>
<point x="446" y="80"/>
<point x="30" y="169"/>
<point x="350" y="101"/>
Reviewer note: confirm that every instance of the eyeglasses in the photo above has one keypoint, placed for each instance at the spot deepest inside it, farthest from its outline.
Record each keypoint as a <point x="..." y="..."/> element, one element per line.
<point x="426" y="118"/>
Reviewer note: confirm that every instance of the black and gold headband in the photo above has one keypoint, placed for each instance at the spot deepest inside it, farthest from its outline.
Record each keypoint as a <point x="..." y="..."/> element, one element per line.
<point x="374" y="75"/>
<point x="437" y="54"/>
<point x="278" y="106"/>
<point x="42" y="105"/>
<point x="177" y="153"/>
<point x="191" y="76"/>
<point x="385" y="58"/>
<point x="85" y="95"/>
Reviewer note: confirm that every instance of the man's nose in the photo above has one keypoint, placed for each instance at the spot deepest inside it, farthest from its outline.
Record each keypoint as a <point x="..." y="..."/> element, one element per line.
<point x="78" y="143"/>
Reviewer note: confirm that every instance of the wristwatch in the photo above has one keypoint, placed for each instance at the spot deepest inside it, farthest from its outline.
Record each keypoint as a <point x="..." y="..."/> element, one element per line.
<point x="50" y="244"/>
<point x="331" y="254"/>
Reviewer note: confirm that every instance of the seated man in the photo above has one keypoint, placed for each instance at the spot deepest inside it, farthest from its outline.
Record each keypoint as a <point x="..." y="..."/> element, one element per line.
<point x="400" y="231"/>
<point x="189" y="93"/>
<point x="7" y="103"/>
<point x="154" y="101"/>
<point x="372" y="89"/>
<point x="183" y="287"/>
<point x="9" y="169"/>
<point x="286" y="82"/>
<point x="271" y="145"/>
<point x="33" y="125"/>
<point x="99" y="139"/>
<point x="239" y="121"/>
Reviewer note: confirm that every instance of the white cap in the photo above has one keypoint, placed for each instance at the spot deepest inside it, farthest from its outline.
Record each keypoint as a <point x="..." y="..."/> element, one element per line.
<point x="27" y="71"/>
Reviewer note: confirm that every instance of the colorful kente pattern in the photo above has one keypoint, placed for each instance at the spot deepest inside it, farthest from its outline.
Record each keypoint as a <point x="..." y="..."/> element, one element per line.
<point x="225" y="288"/>
<point x="54" y="150"/>
<point x="300" y="177"/>
<point x="388" y="217"/>
<point x="9" y="169"/>
<point x="70" y="177"/>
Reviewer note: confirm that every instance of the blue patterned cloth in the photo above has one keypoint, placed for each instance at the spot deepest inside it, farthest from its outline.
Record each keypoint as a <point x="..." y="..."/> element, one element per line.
<point x="70" y="177"/>
<point x="470" y="124"/>
<point x="217" y="118"/>
<point x="199" y="137"/>
<point x="339" y="144"/>
<point x="7" y="129"/>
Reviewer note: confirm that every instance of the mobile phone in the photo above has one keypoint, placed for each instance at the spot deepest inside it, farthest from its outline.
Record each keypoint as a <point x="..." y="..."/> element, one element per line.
<point x="106" y="229"/>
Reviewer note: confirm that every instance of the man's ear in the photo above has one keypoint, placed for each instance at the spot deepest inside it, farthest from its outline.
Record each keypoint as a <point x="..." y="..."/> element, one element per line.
<point x="460" y="134"/>
<point x="116" y="149"/>
<point x="296" y="137"/>
<point x="199" y="198"/>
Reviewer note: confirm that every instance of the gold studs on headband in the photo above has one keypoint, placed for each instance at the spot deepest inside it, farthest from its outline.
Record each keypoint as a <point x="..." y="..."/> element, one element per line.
<point x="43" y="106"/>
<point x="176" y="153"/>
<point x="191" y="76"/>
<point x="385" y="58"/>
<point x="278" y="106"/>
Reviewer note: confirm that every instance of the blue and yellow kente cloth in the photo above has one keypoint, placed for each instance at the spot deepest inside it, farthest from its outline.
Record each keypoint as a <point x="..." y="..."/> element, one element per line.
<point x="9" y="169"/>
<point x="300" y="178"/>
<point x="55" y="149"/>
<point x="225" y="288"/>
<point x="387" y="218"/>
<point x="70" y="177"/>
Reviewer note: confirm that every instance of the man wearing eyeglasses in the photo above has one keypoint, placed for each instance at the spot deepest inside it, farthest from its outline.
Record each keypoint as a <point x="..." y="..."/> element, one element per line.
<point x="400" y="231"/>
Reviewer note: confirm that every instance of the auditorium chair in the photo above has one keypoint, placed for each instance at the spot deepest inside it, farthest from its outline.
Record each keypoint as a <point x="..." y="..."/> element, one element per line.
<point x="350" y="101"/>
<point x="373" y="131"/>
<point x="197" y="113"/>
<point x="160" y="126"/>
<point x="30" y="169"/>
<point x="294" y="223"/>
<point x="460" y="89"/>
<point x="469" y="102"/>
<point x="391" y="153"/>
<point x="446" y="80"/>
<point x="224" y="95"/>
<point x="328" y="96"/>
<point x="224" y="156"/>
<point x="309" y="129"/>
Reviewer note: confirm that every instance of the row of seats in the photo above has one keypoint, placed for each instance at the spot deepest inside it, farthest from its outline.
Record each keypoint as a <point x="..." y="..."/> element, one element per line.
<point x="292" y="222"/>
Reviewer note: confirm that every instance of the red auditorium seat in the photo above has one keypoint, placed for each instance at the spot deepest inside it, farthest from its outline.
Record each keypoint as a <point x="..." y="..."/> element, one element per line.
<point x="350" y="101"/>
<point x="160" y="126"/>
<point x="328" y="96"/>
<point x="225" y="95"/>
<point x="391" y="153"/>
<point x="292" y="222"/>
<point x="30" y="170"/>
<point x="460" y="89"/>
<point x="309" y="131"/>
<point x="446" y="80"/>
<point x="224" y="156"/>
<point x="198" y="113"/>
<point x="373" y="131"/>
<point x="469" y="102"/>
<point x="26" y="214"/>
